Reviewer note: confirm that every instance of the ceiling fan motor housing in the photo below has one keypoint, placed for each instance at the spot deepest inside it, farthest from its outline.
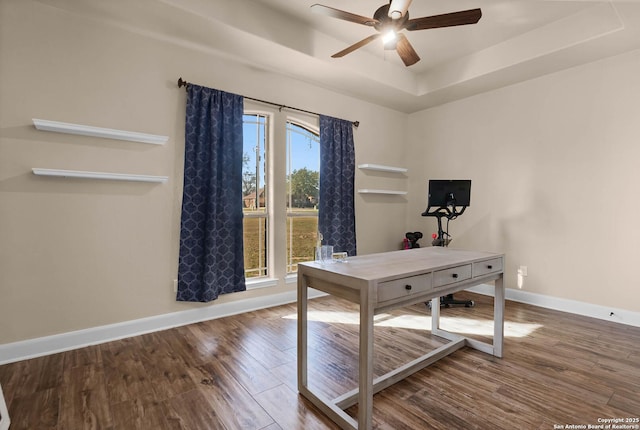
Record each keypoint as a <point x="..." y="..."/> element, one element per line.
<point x="384" y="23"/>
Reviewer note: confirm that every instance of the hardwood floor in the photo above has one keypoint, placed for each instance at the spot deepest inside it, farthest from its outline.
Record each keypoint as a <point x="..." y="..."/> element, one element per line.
<point x="240" y="373"/>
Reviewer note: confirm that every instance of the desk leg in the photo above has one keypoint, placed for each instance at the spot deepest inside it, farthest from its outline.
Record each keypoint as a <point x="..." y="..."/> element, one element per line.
<point x="302" y="332"/>
<point x="365" y="375"/>
<point x="498" y="316"/>
<point x="435" y="315"/>
<point x="435" y="322"/>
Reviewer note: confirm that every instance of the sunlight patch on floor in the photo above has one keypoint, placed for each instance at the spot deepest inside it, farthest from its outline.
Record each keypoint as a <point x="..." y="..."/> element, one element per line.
<point x="467" y="326"/>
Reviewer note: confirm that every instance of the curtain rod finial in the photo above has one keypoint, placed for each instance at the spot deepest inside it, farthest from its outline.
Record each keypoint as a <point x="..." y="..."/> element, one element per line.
<point x="356" y="124"/>
<point x="182" y="83"/>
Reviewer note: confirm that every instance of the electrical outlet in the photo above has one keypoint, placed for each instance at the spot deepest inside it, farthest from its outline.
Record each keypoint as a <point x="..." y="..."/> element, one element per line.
<point x="175" y="285"/>
<point x="523" y="270"/>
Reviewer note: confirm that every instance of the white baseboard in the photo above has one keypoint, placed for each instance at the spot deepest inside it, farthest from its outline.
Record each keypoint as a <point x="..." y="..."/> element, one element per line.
<point x="22" y="350"/>
<point x="16" y="351"/>
<point x="565" y="305"/>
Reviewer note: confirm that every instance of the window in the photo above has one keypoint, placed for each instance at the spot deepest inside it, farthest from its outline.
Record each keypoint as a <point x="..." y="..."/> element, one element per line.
<point x="303" y="181"/>
<point x="281" y="168"/>
<point x="254" y="195"/>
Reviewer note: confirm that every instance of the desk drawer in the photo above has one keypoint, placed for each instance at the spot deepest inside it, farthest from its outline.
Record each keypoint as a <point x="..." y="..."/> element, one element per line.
<point x="397" y="288"/>
<point x="451" y="276"/>
<point x="488" y="266"/>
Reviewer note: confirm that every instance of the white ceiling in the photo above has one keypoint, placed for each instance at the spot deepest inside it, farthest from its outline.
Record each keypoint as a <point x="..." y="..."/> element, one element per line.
<point x="514" y="40"/>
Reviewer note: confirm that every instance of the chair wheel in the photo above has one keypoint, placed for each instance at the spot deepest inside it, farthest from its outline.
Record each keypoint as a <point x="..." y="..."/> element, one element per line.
<point x="470" y="304"/>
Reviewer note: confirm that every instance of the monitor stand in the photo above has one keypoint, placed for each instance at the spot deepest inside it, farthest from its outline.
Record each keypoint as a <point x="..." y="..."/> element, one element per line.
<point x="449" y="213"/>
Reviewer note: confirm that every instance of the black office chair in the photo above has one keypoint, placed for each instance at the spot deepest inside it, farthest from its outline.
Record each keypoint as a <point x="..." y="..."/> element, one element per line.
<point x="448" y="301"/>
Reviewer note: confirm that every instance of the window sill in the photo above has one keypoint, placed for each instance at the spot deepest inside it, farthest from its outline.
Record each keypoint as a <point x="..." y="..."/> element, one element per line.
<point x="255" y="284"/>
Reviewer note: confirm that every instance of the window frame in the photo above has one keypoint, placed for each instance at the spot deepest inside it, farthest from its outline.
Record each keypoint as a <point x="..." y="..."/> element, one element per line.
<point x="276" y="189"/>
<point x="258" y="280"/>
<point x="290" y="215"/>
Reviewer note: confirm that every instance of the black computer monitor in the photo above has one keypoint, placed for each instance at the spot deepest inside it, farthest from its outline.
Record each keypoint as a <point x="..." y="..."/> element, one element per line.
<point x="449" y="192"/>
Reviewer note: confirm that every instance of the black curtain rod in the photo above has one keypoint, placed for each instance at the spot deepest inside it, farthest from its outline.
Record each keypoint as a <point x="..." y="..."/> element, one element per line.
<point x="183" y="83"/>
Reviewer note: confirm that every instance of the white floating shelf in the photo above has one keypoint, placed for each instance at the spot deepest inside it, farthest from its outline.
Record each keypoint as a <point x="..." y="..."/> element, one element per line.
<point x="99" y="175"/>
<point x="108" y="133"/>
<point x="381" y="168"/>
<point x="370" y="191"/>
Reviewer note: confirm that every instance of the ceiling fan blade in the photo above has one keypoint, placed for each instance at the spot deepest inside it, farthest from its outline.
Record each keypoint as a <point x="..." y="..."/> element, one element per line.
<point x="356" y="46"/>
<point x="464" y="17"/>
<point x="406" y="51"/>
<point x="340" y="14"/>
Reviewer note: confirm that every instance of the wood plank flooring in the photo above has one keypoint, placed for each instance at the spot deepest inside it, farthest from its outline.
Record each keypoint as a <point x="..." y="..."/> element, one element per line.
<point x="240" y="373"/>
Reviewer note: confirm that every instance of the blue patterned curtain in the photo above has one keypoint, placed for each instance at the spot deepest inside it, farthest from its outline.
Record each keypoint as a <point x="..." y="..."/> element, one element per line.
<point x="336" y="211"/>
<point x="211" y="255"/>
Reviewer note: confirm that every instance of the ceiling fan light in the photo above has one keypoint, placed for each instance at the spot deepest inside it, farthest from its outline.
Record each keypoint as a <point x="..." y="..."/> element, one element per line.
<point x="389" y="37"/>
<point x="391" y="45"/>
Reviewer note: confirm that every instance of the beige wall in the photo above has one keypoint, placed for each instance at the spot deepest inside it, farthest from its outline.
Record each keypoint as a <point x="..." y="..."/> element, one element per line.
<point x="76" y="254"/>
<point x="554" y="165"/>
<point x="79" y="254"/>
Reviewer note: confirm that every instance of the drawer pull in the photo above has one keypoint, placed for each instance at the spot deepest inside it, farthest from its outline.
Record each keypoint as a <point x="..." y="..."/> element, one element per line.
<point x="408" y="287"/>
<point x="455" y="275"/>
<point x="489" y="266"/>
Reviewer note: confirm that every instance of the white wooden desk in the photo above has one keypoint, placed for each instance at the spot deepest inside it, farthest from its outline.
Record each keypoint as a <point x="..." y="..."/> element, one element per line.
<point x="381" y="282"/>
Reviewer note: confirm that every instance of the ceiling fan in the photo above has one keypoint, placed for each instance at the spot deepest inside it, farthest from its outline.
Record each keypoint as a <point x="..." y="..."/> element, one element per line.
<point x="390" y="19"/>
